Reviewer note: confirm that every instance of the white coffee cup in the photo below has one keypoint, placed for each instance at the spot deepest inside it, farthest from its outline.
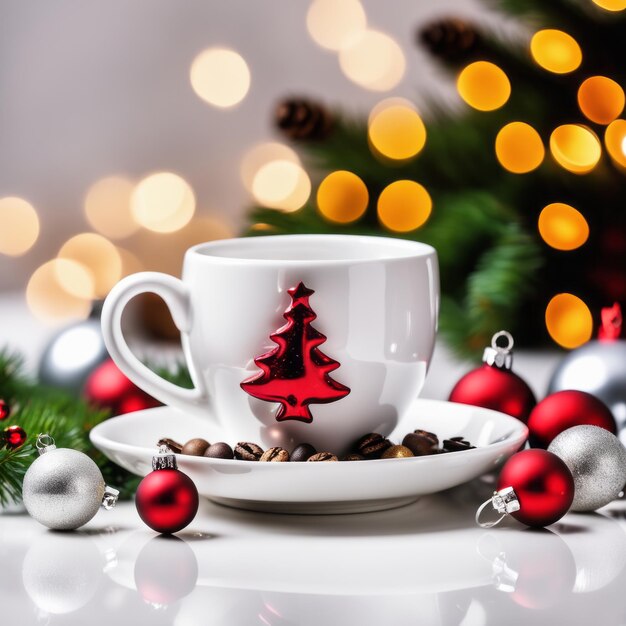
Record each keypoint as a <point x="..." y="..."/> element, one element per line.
<point x="376" y="301"/>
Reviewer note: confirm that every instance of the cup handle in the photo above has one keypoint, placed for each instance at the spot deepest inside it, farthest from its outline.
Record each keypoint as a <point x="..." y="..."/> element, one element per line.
<point x="176" y="296"/>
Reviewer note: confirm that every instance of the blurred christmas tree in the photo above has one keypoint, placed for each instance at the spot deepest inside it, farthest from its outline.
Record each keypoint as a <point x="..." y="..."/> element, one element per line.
<point x="521" y="192"/>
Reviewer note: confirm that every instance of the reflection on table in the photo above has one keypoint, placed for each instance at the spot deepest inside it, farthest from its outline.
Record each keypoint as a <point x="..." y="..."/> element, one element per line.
<point x="422" y="564"/>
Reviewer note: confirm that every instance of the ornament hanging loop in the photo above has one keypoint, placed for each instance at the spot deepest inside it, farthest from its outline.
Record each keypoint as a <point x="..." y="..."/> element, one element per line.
<point x="506" y="335"/>
<point x="45" y="443"/>
<point x="504" y="502"/>
<point x="500" y="356"/>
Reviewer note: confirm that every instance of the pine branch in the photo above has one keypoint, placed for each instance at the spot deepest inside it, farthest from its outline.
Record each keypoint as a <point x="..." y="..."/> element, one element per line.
<point x="38" y="409"/>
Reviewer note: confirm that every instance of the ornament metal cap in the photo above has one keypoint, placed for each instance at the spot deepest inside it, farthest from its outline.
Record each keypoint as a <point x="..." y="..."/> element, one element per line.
<point x="500" y="356"/>
<point x="165" y="459"/>
<point x="109" y="499"/>
<point x="45" y="443"/>
<point x="503" y="501"/>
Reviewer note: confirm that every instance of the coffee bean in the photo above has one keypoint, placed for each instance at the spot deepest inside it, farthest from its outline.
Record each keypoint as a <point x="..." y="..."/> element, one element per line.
<point x="352" y="457"/>
<point x="372" y="445"/>
<point x="219" y="450"/>
<point x="245" y="451"/>
<point x="419" y="445"/>
<point x="302" y="452"/>
<point x="275" y="455"/>
<point x="454" y="445"/>
<point x="431" y="436"/>
<point x="396" y="452"/>
<point x="322" y="456"/>
<point x="196" y="447"/>
<point x="174" y="446"/>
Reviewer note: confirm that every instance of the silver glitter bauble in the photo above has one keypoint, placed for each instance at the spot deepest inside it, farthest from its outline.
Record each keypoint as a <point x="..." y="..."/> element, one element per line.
<point x="73" y="354"/>
<point x="63" y="489"/>
<point x="597" y="460"/>
<point x="599" y="368"/>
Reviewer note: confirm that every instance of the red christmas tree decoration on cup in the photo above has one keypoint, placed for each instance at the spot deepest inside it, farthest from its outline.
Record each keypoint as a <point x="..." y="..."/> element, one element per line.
<point x="296" y="372"/>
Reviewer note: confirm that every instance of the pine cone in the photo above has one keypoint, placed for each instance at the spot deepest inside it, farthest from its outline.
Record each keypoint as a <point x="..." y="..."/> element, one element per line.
<point x="451" y="39"/>
<point x="302" y="119"/>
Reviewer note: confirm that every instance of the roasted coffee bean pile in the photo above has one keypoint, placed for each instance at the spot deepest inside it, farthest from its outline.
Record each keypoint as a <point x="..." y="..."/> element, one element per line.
<point x="368" y="447"/>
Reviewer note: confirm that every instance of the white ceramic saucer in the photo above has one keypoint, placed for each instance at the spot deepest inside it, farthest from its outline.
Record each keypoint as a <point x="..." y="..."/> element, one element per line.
<point x="311" y="488"/>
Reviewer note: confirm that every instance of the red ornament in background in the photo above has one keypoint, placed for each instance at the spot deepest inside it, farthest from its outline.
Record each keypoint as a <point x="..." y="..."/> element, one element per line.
<point x="563" y="410"/>
<point x="296" y="373"/>
<point x="14" y="437"/>
<point x="167" y="500"/>
<point x="108" y="387"/>
<point x="5" y="410"/>
<point x="535" y="487"/>
<point x="611" y="326"/>
<point x="493" y="385"/>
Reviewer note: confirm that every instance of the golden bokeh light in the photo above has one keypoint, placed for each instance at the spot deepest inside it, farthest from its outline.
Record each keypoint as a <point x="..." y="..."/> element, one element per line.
<point x="615" y="141"/>
<point x="220" y="77"/>
<point x="555" y="51"/>
<point x="575" y="148"/>
<point x="568" y="320"/>
<point x="332" y="23"/>
<point x="404" y="205"/>
<point x="131" y="263"/>
<point x="163" y="202"/>
<point x="562" y="227"/>
<point x="262" y="227"/>
<point x="342" y="197"/>
<point x="519" y="148"/>
<point x="108" y="207"/>
<point x="611" y="5"/>
<point x="281" y="185"/>
<point x="373" y="60"/>
<point x="165" y="253"/>
<point x="262" y="154"/>
<point x="396" y="130"/>
<point x="19" y="226"/>
<point x="99" y="256"/>
<point x="601" y="99"/>
<point x="484" y="86"/>
<point x="47" y="297"/>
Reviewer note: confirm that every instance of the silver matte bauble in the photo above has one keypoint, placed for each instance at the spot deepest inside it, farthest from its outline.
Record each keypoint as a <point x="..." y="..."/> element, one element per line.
<point x="73" y="354"/>
<point x="597" y="460"/>
<point x="63" y="489"/>
<point x="599" y="368"/>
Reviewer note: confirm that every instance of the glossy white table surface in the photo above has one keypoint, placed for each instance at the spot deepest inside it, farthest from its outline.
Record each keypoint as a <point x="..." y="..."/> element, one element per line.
<point x="426" y="563"/>
<point x="423" y="564"/>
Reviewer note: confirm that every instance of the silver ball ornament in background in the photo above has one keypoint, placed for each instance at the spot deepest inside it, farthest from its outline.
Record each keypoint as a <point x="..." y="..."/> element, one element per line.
<point x="73" y="354"/>
<point x="63" y="489"/>
<point x="599" y="368"/>
<point x="597" y="460"/>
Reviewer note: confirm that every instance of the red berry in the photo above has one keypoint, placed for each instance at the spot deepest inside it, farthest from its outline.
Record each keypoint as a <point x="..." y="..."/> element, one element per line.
<point x="5" y="410"/>
<point x="14" y="437"/>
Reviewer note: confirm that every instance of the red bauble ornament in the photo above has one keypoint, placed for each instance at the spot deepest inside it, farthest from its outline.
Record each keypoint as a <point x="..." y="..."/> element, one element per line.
<point x="14" y="437"/>
<point x="167" y="500"/>
<point x="535" y="487"/>
<point x="296" y="373"/>
<point x="5" y="410"/>
<point x="563" y="410"/>
<point x="109" y="388"/>
<point x="493" y="385"/>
